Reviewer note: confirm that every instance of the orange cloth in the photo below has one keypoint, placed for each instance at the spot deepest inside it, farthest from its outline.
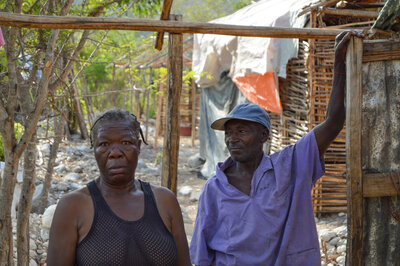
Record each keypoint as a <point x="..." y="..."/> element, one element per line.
<point x="261" y="90"/>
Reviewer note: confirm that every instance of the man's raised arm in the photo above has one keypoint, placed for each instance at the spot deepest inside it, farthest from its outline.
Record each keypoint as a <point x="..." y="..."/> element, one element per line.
<point x="327" y="131"/>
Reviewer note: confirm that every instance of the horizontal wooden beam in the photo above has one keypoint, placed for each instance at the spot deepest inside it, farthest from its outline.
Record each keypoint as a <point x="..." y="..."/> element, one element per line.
<point x="381" y="50"/>
<point x="378" y="185"/>
<point x="350" y="12"/>
<point x="92" y="23"/>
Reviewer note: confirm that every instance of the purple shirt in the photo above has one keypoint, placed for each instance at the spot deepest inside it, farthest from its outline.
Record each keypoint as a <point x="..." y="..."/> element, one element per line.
<point x="274" y="225"/>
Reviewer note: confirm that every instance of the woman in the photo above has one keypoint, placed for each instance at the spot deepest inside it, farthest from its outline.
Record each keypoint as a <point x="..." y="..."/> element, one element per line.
<point x="117" y="219"/>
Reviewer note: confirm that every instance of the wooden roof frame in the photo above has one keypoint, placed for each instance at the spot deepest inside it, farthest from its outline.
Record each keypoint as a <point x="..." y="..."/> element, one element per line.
<point x="95" y="23"/>
<point x="356" y="183"/>
<point x="166" y="9"/>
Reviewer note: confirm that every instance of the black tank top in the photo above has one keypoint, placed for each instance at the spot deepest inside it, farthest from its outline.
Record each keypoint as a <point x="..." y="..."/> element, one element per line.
<point x="114" y="241"/>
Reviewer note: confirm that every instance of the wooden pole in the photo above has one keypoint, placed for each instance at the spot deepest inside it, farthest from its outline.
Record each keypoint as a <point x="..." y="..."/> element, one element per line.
<point x="354" y="152"/>
<point x="193" y="84"/>
<point x="164" y="16"/>
<point x="158" y="116"/>
<point x="350" y="12"/>
<point x="148" y="103"/>
<point x="58" y="22"/>
<point x="113" y="96"/>
<point x="137" y="97"/>
<point x="316" y="6"/>
<point x="171" y="136"/>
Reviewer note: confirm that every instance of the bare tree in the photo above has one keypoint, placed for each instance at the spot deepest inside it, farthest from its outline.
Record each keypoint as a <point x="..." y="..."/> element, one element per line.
<point x="24" y="91"/>
<point x="41" y="204"/>
<point x="26" y="98"/>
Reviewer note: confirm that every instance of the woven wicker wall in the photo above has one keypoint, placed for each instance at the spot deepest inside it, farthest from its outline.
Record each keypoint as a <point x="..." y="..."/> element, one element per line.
<point x="305" y="95"/>
<point x="329" y="193"/>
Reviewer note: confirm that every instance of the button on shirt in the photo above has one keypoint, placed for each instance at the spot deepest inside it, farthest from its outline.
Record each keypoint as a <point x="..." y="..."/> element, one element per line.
<point x="274" y="225"/>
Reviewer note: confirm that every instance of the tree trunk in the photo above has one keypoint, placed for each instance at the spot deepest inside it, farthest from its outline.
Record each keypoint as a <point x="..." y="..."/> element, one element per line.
<point x="6" y="197"/>
<point x="42" y="202"/>
<point x="87" y="100"/>
<point x="79" y="111"/>
<point x="137" y="98"/>
<point x="25" y="202"/>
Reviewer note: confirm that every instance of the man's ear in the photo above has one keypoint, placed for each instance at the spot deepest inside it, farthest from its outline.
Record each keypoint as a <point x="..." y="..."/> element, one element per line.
<point x="264" y="135"/>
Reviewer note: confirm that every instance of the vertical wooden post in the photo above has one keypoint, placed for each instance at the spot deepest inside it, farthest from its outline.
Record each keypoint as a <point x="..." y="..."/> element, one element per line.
<point x="113" y="94"/>
<point x="148" y="102"/>
<point x="130" y="85"/>
<point x="354" y="152"/>
<point x="193" y="111"/>
<point x="158" y="115"/>
<point x="137" y="97"/>
<point x="171" y="136"/>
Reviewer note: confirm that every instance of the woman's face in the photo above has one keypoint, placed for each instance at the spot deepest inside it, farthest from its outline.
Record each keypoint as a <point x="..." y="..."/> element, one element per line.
<point x="116" y="150"/>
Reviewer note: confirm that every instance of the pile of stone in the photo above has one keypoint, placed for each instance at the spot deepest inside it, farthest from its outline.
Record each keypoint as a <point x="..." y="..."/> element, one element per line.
<point x="332" y="233"/>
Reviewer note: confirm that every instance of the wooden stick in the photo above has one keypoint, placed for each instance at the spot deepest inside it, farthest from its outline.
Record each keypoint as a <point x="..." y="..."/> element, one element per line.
<point x="341" y="26"/>
<point x="164" y="16"/>
<point x="169" y="173"/>
<point x="148" y="96"/>
<point x="57" y="22"/>
<point x="194" y="111"/>
<point x="353" y="151"/>
<point x="350" y="12"/>
<point x="158" y="116"/>
<point x="316" y="6"/>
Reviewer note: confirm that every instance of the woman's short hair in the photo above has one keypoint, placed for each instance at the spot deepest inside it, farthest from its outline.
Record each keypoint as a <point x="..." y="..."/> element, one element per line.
<point x="115" y="114"/>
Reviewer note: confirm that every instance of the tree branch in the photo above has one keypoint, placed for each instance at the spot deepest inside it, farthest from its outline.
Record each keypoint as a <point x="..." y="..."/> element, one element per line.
<point x="43" y="89"/>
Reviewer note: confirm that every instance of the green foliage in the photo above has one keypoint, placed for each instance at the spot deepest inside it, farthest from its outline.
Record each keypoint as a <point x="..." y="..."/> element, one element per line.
<point x="158" y="158"/>
<point x="18" y="131"/>
<point x="206" y="10"/>
<point x="187" y="76"/>
<point x="3" y="62"/>
<point x="140" y="9"/>
<point x="98" y="73"/>
<point x="240" y="4"/>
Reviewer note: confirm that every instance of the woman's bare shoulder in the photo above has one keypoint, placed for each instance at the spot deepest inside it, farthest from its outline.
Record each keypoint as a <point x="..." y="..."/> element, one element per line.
<point x="75" y="200"/>
<point x="162" y="192"/>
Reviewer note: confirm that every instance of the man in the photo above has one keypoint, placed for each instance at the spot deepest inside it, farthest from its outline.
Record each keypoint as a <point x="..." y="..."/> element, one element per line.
<point x="257" y="209"/>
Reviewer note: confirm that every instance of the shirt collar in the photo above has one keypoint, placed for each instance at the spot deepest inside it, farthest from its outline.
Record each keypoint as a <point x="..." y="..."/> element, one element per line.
<point x="264" y="166"/>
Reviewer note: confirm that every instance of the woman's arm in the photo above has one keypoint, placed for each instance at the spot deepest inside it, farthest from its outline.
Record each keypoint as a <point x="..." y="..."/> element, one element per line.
<point x="171" y="214"/>
<point x="64" y="231"/>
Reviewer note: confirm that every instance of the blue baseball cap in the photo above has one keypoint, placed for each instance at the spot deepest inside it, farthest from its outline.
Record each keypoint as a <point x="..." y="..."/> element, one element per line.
<point x="246" y="111"/>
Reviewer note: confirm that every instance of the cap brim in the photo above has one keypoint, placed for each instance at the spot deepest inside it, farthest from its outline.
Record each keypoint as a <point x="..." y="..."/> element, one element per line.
<point x="219" y="124"/>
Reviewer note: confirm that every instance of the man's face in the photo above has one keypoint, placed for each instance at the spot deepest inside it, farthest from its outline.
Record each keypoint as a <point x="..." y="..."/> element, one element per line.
<point x="244" y="139"/>
<point x="116" y="150"/>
